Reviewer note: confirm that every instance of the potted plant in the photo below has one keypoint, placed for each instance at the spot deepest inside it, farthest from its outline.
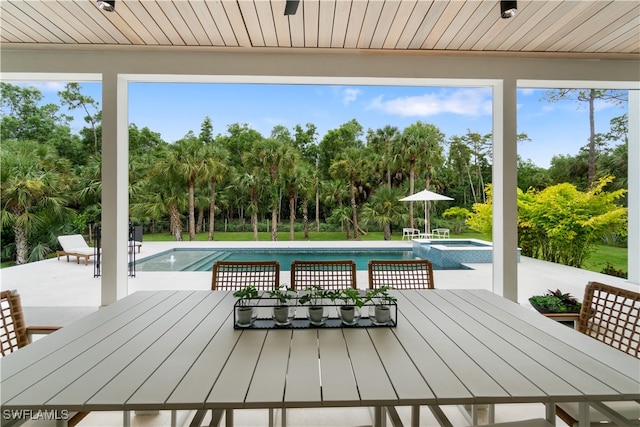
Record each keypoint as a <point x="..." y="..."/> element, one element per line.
<point x="317" y="313"/>
<point x="555" y="302"/>
<point x="349" y="311"/>
<point x="381" y="301"/>
<point x="245" y="311"/>
<point x="283" y="312"/>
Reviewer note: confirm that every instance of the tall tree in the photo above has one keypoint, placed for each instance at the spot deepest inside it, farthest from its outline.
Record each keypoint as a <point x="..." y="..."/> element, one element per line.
<point x="381" y="142"/>
<point x="23" y="118"/>
<point x="420" y="144"/>
<point x="73" y="98"/>
<point x="351" y="164"/>
<point x="187" y="159"/>
<point x="589" y="97"/>
<point x="336" y="141"/>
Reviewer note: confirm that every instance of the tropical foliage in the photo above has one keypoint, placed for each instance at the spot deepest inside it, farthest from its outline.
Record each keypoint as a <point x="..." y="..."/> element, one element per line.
<point x="348" y="180"/>
<point x="560" y="223"/>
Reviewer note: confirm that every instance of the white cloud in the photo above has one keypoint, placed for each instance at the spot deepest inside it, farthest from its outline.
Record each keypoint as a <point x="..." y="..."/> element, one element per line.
<point x="526" y="92"/>
<point x="349" y="95"/>
<point x="465" y="102"/>
<point x="44" y="87"/>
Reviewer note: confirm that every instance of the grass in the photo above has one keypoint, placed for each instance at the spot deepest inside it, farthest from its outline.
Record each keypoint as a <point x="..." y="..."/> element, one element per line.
<point x="596" y="261"/>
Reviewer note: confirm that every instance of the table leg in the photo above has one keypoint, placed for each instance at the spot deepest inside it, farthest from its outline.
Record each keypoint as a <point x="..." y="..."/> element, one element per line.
<point x="550" y="412"/>
<point x="228" y="422"/>
<point x="377" y="416"/>
<point x="415" y="416"/>
<point x="126" y="419"/>
<point x="583" y="414"/>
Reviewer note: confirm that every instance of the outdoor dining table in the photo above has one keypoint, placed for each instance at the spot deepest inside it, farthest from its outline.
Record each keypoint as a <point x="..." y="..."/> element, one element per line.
<point x="178" y="350"/>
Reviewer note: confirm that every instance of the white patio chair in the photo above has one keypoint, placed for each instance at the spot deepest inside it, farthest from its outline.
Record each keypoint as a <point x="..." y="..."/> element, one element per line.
<point x="410" y="233"/>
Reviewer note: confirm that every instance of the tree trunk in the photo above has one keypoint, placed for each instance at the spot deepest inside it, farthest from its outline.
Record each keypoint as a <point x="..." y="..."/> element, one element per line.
<point x="387" y="231"/>
<point x="192" y="208"/>
<point x="254" y="215"/>
<point x="22" y="246"/>
<point x="174" y="219"/>
<point x="212" y="210"/>
<point x="200" y="220"/>
<point x="305" y="217"/>
<point x="354" y="211"/>
<point x="317" y="211"/>
<point x="592" y="139"/>
<point x="412" y="179"/>
<point x="274" y="224"/>
<point x="292" y="217"/>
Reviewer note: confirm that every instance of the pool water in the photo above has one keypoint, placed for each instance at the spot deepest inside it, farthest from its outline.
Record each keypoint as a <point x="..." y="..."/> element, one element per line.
<point x="203" y="259"/>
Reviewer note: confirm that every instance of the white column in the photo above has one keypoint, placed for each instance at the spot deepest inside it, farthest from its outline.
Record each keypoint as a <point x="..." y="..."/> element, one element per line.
<point x="505" y="183"/>
<point x="115" y="188"/>
<point x="633" y="241"/>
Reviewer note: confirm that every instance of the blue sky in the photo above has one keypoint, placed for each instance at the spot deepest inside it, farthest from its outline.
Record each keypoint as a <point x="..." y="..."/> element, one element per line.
<point x="174" y="109"/>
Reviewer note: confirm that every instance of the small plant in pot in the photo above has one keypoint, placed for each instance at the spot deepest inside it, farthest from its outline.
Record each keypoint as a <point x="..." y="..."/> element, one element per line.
<point x="349" y="311"/>
<point x="245" y="311"/>
<point x="555" y="302"/>
<point x="283" y="312"/>
<point x="381" y="301"/>
<point x="317" y="312"/>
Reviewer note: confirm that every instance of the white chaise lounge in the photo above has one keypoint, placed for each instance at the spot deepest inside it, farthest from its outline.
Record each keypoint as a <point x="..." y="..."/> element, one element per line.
<point x="75" y="245"/>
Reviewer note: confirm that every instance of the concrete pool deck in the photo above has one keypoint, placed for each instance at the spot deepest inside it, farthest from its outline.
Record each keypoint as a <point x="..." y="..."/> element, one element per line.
<point x="60" y="283"/>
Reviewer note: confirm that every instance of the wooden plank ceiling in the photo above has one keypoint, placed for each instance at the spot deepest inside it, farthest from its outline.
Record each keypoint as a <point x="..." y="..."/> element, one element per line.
<point x="591" y="28"/>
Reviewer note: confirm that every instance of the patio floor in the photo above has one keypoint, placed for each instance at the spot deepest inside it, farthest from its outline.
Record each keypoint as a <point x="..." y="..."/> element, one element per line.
<point x="46" y="286"/>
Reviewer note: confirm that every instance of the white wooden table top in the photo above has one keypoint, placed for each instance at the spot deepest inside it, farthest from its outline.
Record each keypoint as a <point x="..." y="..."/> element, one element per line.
<point x="178" y="350"/>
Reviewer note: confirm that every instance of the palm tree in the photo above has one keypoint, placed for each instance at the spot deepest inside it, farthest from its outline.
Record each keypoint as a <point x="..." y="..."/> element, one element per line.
<point x="270" y="154"/>
<point x="215" y="169"/>
<point x="161" y="193"/>
<point x="382" y="139"/>
<point x="35" y="190"/>
<point x="351" y="164"/>
<point x="291" y="174"/>
<point x="250" y="183"/>
<point x="384" y="209"/>
<point x="420" y="143"/>
<point x="187" y="159"/>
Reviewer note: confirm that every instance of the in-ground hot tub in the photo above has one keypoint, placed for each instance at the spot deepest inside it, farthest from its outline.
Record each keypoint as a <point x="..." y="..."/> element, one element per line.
<point x="452" y="253"/>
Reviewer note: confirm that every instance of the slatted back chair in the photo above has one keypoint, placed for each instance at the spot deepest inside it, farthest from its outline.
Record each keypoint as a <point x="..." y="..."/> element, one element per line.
<point x="401" y="274"/>
<point x="610" y="315"/>
<point x="13" y="331"/>
<point x="234" y="275"/>
<point x="14" y="334"/>
<point x="340" y="274"/>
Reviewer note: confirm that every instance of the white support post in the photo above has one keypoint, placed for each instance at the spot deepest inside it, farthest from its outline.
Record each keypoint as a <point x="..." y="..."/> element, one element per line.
<point x="115" y="188"/>
<point x="633" y="239"/>
<point x="505" y="184"/>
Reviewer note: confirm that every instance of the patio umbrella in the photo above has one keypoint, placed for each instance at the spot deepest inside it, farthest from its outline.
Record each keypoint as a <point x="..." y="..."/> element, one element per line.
<point x="426" y="196"/>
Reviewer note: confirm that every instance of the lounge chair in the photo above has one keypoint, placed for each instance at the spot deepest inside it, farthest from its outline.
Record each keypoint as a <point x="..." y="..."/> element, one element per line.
<point x="75" y="245"/>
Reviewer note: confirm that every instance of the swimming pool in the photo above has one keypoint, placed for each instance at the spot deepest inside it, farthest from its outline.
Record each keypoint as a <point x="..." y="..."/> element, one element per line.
<point x="183" y="259"/>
